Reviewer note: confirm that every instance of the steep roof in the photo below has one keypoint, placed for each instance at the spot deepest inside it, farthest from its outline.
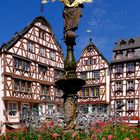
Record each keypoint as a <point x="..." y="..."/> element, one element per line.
<point x="92" y="44"/>
<point x="127" y="44"/>
<point x="18" y="35"/>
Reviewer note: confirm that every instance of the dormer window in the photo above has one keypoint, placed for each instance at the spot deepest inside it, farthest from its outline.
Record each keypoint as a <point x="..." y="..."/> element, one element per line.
<point x="123" y="42"/>
<point x="118" y="55"/>
<point x="130" y="53"/>
<point x="131" y="41"/>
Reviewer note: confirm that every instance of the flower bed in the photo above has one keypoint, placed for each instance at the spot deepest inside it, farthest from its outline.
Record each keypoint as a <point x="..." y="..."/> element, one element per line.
<point x="97" y="131"/>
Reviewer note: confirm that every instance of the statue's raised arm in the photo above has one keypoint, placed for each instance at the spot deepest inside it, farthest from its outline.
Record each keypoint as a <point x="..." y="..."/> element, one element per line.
<point x="72" y="12"/>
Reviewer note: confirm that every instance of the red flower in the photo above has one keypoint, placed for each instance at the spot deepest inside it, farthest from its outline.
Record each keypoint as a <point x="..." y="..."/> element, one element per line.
<point x="74" y="134"/>
<point x="54" y="135"/>
<point x="136" y="138"/>
<point x="110" y="137"/>
<point x="126" y="139"/>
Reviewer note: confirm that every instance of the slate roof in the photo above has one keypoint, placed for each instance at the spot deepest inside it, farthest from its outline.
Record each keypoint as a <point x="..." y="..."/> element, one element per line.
<point x="127" y="44"/>
<point x="124" y="46"/>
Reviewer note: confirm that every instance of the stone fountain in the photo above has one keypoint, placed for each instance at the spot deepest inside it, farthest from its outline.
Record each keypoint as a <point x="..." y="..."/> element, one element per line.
<point x="69" y="83"/>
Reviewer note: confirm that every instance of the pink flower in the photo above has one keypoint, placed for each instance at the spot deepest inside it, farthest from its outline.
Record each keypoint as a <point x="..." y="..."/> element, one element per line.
<point x="126" y="139"/>
<point x="51" y="124"/>
<point x="97" y="121"/>
<point x="110" y="137"/>
<point x="103" y="138"/>
<point x="54" y="135"/>
<point x="74" y="134"/>
<point x="132" y="130"/>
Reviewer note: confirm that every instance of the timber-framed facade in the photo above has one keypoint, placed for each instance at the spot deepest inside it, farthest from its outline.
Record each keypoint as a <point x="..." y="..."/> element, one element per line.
<point x="94" y="68"/>
<point x="30" y="64"/>
<point x="125" y="80"/>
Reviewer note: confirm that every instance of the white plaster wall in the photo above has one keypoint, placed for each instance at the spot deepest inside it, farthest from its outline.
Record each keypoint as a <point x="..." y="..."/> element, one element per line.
<point x="2" y="107"/>
<point x="107" y="85"/>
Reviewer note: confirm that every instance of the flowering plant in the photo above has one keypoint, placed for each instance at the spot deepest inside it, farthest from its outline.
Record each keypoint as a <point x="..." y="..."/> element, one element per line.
<point x="98" y="131"/>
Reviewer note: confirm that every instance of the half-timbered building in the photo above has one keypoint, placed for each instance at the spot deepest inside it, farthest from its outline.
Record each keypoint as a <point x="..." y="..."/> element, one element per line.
<point x="94" y="68"/>
<point x="125" y="80"/>
<point x="30" y="63"/>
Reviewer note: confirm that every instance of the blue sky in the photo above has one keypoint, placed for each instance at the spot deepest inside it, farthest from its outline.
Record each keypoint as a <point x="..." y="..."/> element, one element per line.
<point x="109" y="20"/>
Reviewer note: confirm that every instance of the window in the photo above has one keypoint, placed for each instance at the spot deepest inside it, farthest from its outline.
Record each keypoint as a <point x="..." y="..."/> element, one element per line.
<point x="85" y="110"/>
<point x="42" y="51"/>
<point x="12" y="107"/>
<point x="16" y="85"/>
<point x="85" y="92"/>
<point x="83" y="75"/>
<point x="22" y="64"/>
<point x="119" y="105"/>
<point x="95" y="74"/>
<point x="95" y="92"/>
<point x="30" y="46"/>
<point x="118" y="68"/>
<point x="26" y="65"/>
<point x="94" y="61"/>
<point x="130" y="85"/>
<point x="130" y="67"/>
<point x="118" y="86"/>
<point x="89" y="49"/>
<point x="52" y="55"/>
<point x="42" y="34"/>
<point x="50" y="109"/>
<point x="17" y="63"/>
<point x="90" y="61"/>
<point x="22" y="86"/>
<point x="86" y="62"/>
<point x="44" y="89"/>
<point x="25" y="109"/>
<point x="58" y="92"/>
<point x="42" y="70"/>
<point x="130" y="105"/>
<point x="28" y="86"/>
